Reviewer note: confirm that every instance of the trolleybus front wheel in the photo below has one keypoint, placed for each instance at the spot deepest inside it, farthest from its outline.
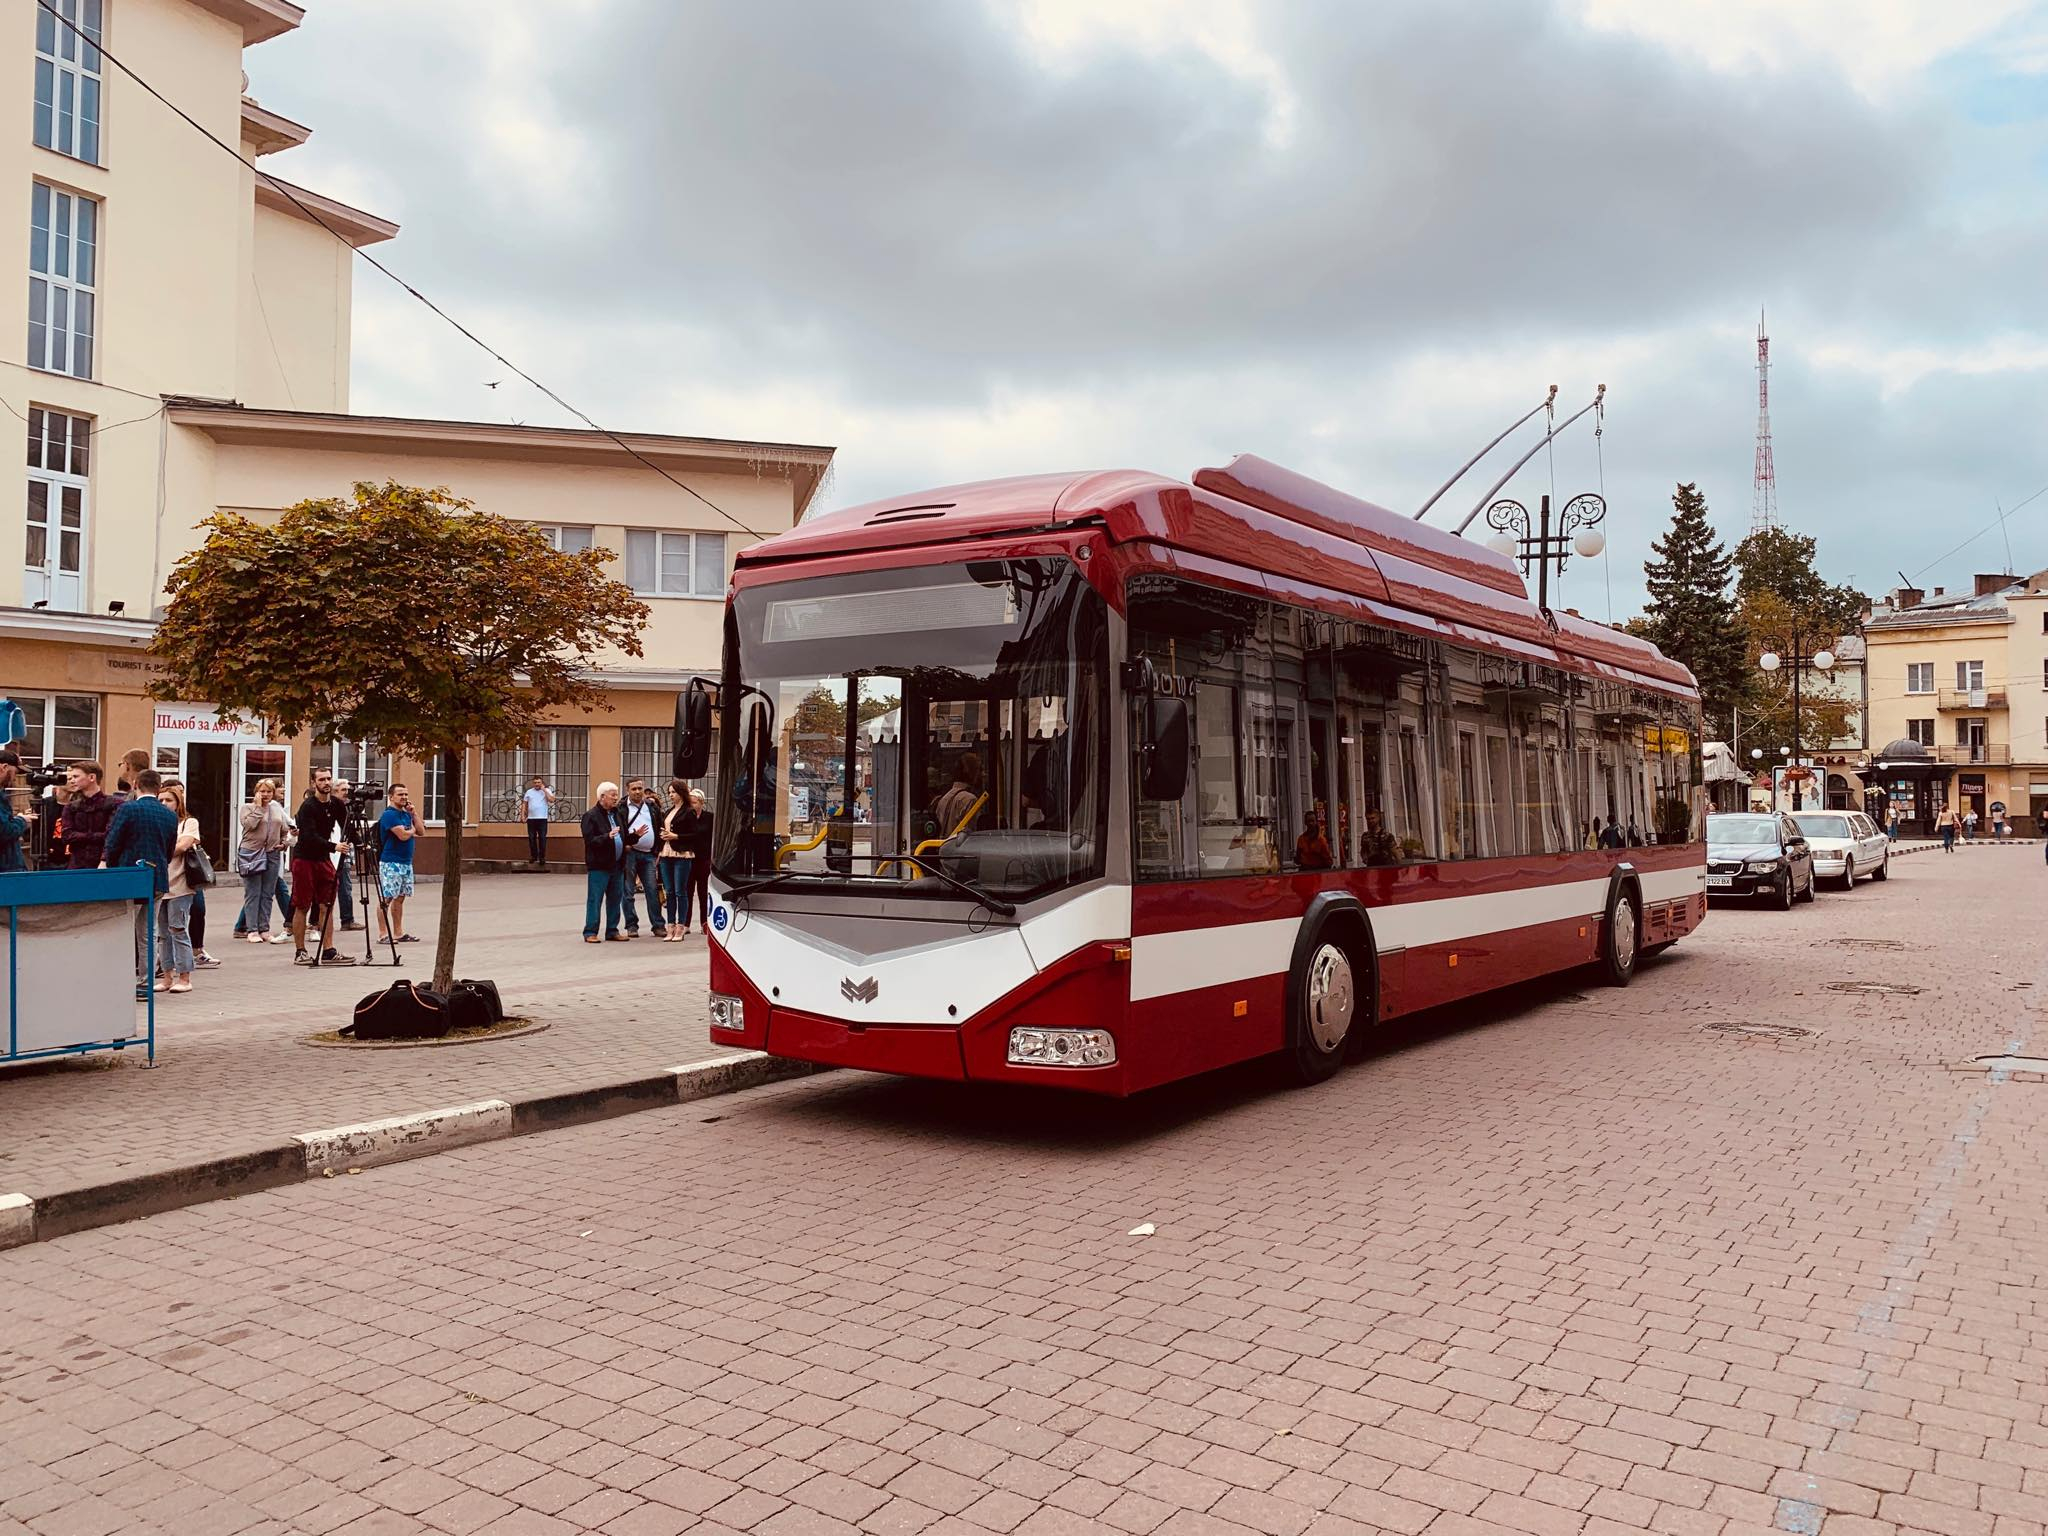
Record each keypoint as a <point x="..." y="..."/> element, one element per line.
<point x="1331" y="995"/>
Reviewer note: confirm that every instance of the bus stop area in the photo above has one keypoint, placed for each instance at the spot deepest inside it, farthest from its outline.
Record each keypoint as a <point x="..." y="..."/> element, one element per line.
<point x="233" y="1072"/>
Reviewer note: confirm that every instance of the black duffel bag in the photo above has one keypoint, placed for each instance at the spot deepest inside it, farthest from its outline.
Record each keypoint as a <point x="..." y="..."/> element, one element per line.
<point x="475" y="1004"/>
<point x="403" y="1011"/>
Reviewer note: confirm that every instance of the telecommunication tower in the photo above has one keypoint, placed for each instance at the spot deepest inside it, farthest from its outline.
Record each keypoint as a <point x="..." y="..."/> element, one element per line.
<point x="1763" y="501"/>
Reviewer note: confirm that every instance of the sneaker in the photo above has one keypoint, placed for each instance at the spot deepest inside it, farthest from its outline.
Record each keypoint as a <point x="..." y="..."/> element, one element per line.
<point x="301" y="958"/>
<point x="351" y="927"/>
<point x="205" y="962"/>
<point x="280" y="938"/>
<point x="336" y="957"/>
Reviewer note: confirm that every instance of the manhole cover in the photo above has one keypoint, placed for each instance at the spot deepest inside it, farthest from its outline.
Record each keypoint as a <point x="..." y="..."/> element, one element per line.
<point x="1870" y="944"/>
<point x="1874" y="988"/>
<point x="1762" y="1031"/>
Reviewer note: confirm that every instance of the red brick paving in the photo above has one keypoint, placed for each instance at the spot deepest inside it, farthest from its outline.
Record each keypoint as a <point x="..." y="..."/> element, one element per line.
<point x="1573" y="1264"/>
<point x="231" y="1072"/>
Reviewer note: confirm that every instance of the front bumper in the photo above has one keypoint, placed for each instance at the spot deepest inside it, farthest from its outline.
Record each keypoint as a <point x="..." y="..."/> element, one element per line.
<point x="1744" y="884"/>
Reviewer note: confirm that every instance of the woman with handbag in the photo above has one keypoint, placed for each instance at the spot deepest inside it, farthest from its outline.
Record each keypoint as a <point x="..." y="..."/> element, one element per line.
<point x="259" y="857"/>
<point x="176" y="906"/>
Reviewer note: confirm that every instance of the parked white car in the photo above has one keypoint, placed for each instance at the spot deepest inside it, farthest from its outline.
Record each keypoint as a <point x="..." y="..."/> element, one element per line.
<point x="1847" y="846"/>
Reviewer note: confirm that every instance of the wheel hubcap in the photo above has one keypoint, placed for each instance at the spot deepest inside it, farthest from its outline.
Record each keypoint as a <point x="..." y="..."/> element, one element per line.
<point x="1625" y="935"/>
<point x="1331" y="997"/>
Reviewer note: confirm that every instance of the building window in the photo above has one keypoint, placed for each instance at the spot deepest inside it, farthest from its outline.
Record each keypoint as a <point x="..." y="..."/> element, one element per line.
<point x="675" y="564"/>
<point x="272" y="763"/>
<point x="1921" y="731"/>
<point x="54" y="559"/>
<point x="433" y="797"/>
<point x="61" y="727"/>
<point x="1969" y="676"/>
<point x="646" y="751"/>
<point x="1919" y="677"/>
<point x="560" y="754"/>
<point x="63" y="251"/>
<point x="568" y="538"/>
<point x="68" y="78"/>
<point x="356" y="762"/>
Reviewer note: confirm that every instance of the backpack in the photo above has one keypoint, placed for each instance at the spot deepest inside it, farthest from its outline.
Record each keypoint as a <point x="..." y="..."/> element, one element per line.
<point x="402" y="1011"/>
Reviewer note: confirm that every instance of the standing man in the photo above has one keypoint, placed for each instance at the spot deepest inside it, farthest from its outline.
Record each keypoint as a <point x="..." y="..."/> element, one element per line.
<point x="604" y="856"/>
<point x="395" y="832"/>
<point x="87" y="815"/>
<point x="1970" y="825"/>
<point x="14" y="828"/>
<point x="638" y="817"/>
<point x="142" y="831"/>
<point x="313" y="878"/>
<point x="133" y="762"/>
<point x="539" y="801"/>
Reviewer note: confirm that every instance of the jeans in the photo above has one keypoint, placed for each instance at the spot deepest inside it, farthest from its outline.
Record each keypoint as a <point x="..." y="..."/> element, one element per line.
<point x="145" y="969"/>
<point x="345" y="888"/>
<point x="700" y="887"/>
<point x="536" y="841"/>
<point x="258" y="892"/>
<point x="641" y="879"/>
<point x="174" y="927"/>
<point x="675" y="885"/>
<point x="606" y="887"/>
<point x="1948" y="839"/>
<point x="199" y="922"/>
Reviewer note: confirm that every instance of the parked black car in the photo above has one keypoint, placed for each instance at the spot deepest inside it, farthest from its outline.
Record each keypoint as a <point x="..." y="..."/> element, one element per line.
<point x="1759" y="854"/>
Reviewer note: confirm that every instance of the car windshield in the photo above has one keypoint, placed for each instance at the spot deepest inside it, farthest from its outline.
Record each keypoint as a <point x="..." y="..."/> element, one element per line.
<point x="953" y="713"/>
<point x="1742" y="829"/>
<point x="1824" y="826"/>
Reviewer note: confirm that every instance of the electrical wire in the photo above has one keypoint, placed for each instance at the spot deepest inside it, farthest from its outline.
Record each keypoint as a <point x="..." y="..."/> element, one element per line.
<point x="1973" y="538"/>
<point x="284" y="190"/>
<point x="95" y="429"/>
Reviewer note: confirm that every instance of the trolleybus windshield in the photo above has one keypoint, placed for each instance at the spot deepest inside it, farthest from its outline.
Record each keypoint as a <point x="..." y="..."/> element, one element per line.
<point x="953" y="713"/>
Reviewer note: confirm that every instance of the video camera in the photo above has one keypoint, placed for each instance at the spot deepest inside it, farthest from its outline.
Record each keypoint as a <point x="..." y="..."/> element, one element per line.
<point x="368" y="790"/>
<point x="43" y="778"/>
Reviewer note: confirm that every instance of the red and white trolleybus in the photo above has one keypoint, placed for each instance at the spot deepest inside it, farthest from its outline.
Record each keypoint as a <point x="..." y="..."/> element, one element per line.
<point x="1102" y="780"/>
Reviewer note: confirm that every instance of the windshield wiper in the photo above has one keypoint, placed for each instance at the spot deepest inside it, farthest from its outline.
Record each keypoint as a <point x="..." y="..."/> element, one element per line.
<point x="993" y="902"/>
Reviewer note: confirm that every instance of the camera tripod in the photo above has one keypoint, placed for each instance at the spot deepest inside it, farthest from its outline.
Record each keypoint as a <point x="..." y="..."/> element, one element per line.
<point x="356" y="845"/>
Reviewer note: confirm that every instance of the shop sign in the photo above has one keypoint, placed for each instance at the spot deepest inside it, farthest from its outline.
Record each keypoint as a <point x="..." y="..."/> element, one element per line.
<point x="203" y="722"/>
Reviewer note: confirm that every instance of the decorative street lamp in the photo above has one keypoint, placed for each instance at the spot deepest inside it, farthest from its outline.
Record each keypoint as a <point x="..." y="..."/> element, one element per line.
<point x="1798" y="657"/>
<point x="1543" y="549"/>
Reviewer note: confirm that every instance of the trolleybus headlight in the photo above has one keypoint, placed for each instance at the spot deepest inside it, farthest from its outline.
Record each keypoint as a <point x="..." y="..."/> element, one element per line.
<point x="1062" y="1047"/>
<point x="728" y="1012"/>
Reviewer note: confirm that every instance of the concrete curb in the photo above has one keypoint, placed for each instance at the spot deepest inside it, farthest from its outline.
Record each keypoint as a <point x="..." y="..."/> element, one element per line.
<point x="324" y="1153"/>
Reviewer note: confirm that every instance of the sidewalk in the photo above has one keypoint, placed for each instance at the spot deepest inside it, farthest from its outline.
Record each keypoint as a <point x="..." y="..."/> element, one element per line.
<point x="232" y="1074"/>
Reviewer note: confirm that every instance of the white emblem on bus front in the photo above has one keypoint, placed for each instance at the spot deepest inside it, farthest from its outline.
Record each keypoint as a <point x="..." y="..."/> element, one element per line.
<point x="859" y="991"/>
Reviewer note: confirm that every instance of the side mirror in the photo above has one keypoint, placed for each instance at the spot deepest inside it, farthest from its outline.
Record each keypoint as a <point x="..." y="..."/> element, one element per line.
<point x="692" y="757"/>
<point x="1164" y="749"/>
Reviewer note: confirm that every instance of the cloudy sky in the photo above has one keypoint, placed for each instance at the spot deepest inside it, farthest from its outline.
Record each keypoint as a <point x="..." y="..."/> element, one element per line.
<point x="967" y="238"/>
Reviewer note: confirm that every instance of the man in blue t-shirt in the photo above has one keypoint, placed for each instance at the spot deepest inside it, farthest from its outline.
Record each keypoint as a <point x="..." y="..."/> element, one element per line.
<point x="396" y="829"/>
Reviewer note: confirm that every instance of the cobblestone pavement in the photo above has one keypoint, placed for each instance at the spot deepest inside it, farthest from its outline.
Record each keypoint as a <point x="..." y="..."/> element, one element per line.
<point x="1571" y="1262"/>
<point x="231" y="1070"/>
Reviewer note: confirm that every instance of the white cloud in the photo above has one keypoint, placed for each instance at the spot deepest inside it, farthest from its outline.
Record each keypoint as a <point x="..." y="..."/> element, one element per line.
<point x="1879" y="45"/>
<point x="1898" y="369"/>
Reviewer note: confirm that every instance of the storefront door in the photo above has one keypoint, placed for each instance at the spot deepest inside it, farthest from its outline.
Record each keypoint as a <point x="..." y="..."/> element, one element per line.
<point x="209" y="795"/>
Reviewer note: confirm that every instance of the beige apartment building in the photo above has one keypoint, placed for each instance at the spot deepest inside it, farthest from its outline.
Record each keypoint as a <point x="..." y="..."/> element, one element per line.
<point x="180" y="343"/>
<point x="1959" y="701"/>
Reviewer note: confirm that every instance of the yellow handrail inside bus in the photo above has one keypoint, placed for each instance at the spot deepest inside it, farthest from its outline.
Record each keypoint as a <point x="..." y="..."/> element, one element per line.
<point x="919" y="851"/>
<point x="788" y="848"/>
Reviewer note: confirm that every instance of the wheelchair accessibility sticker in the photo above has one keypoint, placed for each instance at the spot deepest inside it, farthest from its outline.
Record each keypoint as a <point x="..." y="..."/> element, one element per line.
<point x="718" y="918"/>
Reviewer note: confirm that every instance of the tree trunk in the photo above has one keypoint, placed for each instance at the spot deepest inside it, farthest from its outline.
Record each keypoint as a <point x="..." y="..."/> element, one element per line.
<point x="451" y="864"/>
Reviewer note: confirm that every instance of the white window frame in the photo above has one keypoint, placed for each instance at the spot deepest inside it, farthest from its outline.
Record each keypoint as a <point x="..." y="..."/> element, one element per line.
<point x="570" y="538"/>
<point x="366" y="752"/>
<point x="39" y="745"/>
<point x="646" y="559"/>
<point x="1915" y="672"/>
<point x="59" y="461"/>
<point x="69" y="93"/>
<point x="63" y="274"/>
<point x="1969" y="676"/>
<point x="1913" y="732"/>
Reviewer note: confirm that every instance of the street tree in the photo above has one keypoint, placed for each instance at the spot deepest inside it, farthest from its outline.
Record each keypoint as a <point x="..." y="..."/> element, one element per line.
<point x="1770" y="623"/>
<point x="1691" y="615"/>
<point x="1779" y="561"/>
<point x="401" y="614"/>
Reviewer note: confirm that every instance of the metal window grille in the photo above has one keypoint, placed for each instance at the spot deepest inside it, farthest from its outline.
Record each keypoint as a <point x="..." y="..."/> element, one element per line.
<point x="560" y="754"/>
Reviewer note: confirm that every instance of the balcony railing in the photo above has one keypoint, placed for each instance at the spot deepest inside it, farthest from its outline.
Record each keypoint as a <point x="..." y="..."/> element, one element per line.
<point x="1970" y="698"/>
<point x="1989" y="752"/>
